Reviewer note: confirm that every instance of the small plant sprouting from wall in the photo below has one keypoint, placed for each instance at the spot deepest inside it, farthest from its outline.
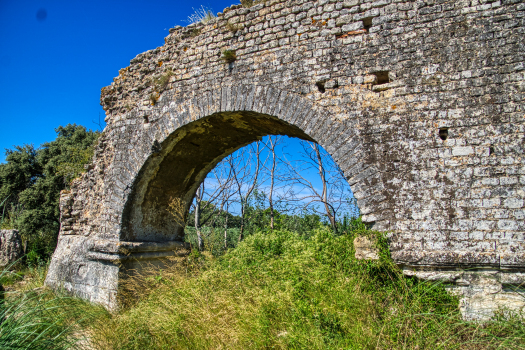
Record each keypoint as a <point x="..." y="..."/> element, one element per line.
<point x="162" y="82"/>
<point x="229" y="56"/>
<point x="250" y="3"/>
<point x="154" y="97"/>
<point x="234" y="27"/>
<point x="201" y="15"/>
<point x="195" y="32"/>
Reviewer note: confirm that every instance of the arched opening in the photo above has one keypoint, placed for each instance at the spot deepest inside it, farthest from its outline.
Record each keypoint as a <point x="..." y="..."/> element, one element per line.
<point x="179" y="164"/>
<point x="279" y="183"/>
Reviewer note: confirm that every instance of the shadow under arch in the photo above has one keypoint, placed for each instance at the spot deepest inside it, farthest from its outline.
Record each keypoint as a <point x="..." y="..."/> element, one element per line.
<point x="182" y="161"/>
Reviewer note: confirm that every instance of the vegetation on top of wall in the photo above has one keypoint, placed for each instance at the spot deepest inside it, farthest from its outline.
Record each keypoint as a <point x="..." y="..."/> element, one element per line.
<point x="201" y="15"/>
<point x="250" y="3"/>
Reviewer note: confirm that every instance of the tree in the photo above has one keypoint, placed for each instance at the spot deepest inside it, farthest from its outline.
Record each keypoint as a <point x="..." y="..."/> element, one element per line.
<point x="20" y="171"/>
<point x="208" y="203"/>
<point x="334" y="194"/>
<point x="246" y="176"/>
<point x="33" y="179"/>
<point x="271" y="144"/>
<point x="266" y="190"/>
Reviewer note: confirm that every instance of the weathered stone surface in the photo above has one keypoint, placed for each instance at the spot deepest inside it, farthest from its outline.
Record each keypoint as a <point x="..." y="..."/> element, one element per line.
<point x="482" y="292"/>
<point x="365" y="248"/>
<point x="10" y="247"/>
<point x="423" y="109"/>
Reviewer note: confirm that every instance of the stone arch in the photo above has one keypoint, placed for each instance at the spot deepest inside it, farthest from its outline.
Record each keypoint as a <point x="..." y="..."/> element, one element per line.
<point x="378" y="98"/>
<point x="186" y="146"/>
<point x="133" y="224"/>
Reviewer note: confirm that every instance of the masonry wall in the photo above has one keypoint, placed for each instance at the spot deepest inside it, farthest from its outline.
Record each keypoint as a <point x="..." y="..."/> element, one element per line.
<point x="421" y="103"/>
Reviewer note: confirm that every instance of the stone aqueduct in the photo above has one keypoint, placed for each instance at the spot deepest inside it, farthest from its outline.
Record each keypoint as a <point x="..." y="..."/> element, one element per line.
<point x="421" y="103"/>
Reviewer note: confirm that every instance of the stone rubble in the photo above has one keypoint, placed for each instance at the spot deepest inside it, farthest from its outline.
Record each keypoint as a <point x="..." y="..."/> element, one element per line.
<point x="10" y="247"/>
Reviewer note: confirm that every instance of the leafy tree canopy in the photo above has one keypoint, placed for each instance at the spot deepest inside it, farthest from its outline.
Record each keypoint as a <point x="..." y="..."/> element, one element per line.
<point x="32" y="179"/>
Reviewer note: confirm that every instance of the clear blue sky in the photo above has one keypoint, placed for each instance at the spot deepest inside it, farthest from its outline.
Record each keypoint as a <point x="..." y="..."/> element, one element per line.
<point x="56" y="55"/>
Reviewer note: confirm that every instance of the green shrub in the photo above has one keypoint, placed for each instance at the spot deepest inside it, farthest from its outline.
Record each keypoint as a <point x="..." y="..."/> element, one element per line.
<point x="229" y="56"/>
<point x="31" y="180"/>
<point x="282" y="290"/>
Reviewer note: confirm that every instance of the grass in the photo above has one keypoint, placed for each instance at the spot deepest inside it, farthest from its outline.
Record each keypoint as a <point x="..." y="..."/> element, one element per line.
<point x="280" y="290"/>
<point x="229" y="56"/>
<point x="34" y="318"/>
<point x="201" y="15"/>
<point x="275" y="290"/>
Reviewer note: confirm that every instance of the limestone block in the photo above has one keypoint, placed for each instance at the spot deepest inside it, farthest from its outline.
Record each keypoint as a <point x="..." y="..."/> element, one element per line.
<point x="10" y="247"/>
<point x="365" y="248"/>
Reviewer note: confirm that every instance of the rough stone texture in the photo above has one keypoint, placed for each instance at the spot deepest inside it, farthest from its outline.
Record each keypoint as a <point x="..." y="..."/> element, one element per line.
<point x="365" y="248"/>
<point x="421" y="103"/>
<point x="482" y="292"/>
<point x="10" y="247"/>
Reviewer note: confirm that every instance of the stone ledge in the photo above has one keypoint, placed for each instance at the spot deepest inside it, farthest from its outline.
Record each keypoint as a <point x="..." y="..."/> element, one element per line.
<point x="116" y="247"/>
<point x="121" y="258"/>
<point x="482" y="292"/>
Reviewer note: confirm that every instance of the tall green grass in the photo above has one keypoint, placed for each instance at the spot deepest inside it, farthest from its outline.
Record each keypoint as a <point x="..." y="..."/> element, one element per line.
<point x="281" y="290"/>
<point x="33" y="318"/>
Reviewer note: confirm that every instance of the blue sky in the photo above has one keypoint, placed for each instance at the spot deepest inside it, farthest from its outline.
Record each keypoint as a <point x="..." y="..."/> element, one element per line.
<point x="55" y="56"/>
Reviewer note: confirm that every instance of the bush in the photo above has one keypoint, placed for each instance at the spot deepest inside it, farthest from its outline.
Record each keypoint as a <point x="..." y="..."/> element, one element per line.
<point x="229" y="56"/>
<point x="31" y="181"/>
<point x="283" y="290"/>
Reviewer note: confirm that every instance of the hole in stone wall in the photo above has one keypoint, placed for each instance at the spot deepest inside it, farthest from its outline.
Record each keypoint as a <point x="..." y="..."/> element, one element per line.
<point x="320" y="86"/>
<point x="367" y="23"/>
<point x="491" y="150"/>
<point x="146" y="119"/>
<point x="443" y="133"/>
<point x="382" y="77"/>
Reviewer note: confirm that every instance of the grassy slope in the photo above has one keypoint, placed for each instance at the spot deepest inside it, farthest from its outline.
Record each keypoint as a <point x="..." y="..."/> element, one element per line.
<point x="282" y="291"/>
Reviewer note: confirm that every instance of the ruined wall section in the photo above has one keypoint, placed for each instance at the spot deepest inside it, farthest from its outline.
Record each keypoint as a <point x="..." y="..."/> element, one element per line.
<point x="383" y="77"/>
